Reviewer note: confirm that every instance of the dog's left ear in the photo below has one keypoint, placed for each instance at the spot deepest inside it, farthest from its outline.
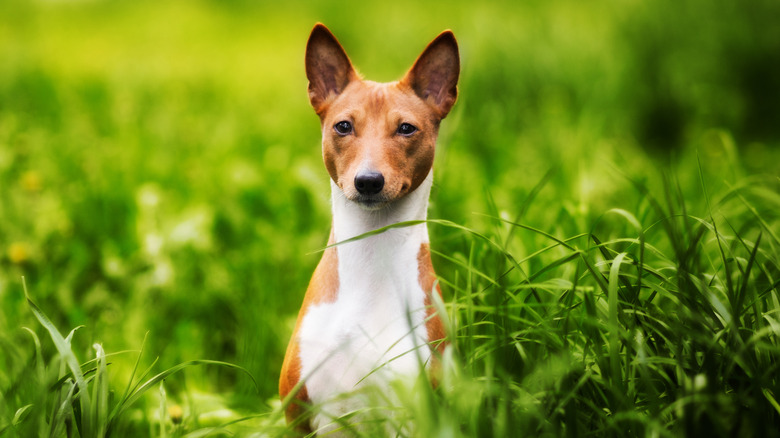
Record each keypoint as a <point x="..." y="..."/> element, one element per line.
<point x="434" y="76"/>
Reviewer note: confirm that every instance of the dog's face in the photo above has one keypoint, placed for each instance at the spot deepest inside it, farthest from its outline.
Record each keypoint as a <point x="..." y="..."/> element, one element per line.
<point x="378" y="140"/>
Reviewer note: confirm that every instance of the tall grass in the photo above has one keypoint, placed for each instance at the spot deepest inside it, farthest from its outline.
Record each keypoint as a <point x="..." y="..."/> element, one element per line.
<point x="65" y="397"/>
<point x="660" y="321"/>
<point x="667" y="325"/>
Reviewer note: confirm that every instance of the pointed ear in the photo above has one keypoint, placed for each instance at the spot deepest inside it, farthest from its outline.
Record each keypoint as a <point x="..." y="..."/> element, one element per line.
<point x="327" y="67"/>
<point x="434" y="76"/>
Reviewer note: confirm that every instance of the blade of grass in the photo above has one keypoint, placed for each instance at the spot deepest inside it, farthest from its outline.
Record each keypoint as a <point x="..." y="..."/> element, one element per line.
<point x="527" y="203"/>
<point x="638" y="227"/>
<point x="135" y="368"/>
<point x="766" y="226"/>
<point x="163" y="410"/>
<point x="135" y="387"/>
<point x="63" y="347"/>
<point x="614" y="327"/>
<point x="140" y="390"/>
<point x="206" y="431"/>
<point x="100" y="392"/>
<point x="744" y="290"/>
<point x="59" y="419"/>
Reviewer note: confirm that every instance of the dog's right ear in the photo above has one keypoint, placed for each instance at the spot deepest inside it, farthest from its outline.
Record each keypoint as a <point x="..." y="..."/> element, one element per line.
<point x="327" y="67"/>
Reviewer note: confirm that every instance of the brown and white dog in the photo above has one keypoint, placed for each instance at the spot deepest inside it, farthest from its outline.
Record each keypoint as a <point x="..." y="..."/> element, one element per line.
<point x="367" y="317"/>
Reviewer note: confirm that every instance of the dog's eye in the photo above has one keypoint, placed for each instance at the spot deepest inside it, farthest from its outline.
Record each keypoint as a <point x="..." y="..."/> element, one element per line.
<point x="406" y="129"/>
<point x="343" y="127"/>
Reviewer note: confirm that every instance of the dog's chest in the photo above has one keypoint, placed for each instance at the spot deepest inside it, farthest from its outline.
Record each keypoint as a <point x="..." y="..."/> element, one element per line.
<point x="375" y="329"/>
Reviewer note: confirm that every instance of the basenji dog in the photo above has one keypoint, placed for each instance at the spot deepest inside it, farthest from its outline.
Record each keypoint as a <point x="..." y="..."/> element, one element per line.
<point x="367" y="316"/>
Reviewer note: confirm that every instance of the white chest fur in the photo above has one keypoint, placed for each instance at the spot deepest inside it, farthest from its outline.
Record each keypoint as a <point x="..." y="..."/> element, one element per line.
<point x="375" y="330"/>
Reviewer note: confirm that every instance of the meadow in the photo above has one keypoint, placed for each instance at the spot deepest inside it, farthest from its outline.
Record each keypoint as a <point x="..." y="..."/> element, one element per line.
<point x="605" y="217"/>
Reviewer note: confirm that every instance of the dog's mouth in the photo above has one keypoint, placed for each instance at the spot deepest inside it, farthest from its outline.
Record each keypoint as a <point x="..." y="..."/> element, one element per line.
<point x="371" y="202"/>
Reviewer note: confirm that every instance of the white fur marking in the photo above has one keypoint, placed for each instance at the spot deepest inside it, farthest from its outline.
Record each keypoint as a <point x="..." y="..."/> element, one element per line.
<point x="375" y="331"/>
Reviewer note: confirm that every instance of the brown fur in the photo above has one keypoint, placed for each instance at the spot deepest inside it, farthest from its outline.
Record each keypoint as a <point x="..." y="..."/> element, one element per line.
<point x="427" y="279"/>
<point x="323" y="288"/>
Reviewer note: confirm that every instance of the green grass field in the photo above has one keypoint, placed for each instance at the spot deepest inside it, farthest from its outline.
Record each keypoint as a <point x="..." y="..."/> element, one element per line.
<point x="605" y="219"/>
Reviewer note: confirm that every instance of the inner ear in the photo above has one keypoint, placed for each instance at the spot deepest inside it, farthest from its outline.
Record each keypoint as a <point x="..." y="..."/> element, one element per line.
<point x="434" y="76"/>
<point x="327" y="67"/>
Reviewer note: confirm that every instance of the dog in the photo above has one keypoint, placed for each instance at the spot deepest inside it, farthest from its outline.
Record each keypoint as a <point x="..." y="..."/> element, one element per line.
<point x="367" y="316"/>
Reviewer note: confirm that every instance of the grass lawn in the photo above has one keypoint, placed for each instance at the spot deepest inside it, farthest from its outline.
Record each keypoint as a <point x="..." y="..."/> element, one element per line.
<point x="605" y="217"/>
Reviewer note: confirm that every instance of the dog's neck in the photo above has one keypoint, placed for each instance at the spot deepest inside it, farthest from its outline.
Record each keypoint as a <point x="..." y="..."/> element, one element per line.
<point x="383" y="262"/>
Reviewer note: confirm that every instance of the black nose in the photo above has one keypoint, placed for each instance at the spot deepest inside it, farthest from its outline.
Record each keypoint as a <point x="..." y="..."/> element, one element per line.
<point x="369" y="183"/>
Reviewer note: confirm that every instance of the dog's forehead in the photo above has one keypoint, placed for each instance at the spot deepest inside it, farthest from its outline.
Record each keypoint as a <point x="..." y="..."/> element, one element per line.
<point x="375" y="100"/>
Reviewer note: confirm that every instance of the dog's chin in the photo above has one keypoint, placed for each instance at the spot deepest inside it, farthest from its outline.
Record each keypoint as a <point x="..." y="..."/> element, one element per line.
<point x="371" y="203"/>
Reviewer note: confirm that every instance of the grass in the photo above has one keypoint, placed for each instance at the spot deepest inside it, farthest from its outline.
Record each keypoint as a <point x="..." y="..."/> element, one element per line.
<point x="604" y="219"/>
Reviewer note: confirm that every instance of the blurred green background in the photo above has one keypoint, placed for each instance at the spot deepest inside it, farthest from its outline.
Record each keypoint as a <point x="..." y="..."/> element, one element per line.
<point x="160" y="166"/>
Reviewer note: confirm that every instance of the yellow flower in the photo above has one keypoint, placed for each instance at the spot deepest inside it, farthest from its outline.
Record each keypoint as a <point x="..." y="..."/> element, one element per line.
<point x="176" y="413"/>
<point x="18" y="252"/>
<point x="31" y="181"/>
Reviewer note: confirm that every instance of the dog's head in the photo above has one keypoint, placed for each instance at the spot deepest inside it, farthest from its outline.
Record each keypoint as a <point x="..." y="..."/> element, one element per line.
<point x="378" y="140"/>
